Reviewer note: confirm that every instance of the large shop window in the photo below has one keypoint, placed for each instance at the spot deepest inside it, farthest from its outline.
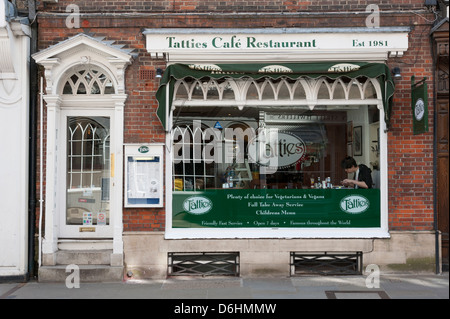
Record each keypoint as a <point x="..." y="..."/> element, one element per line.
<point x="273" y="150"/>
<point x="275" y="159"/>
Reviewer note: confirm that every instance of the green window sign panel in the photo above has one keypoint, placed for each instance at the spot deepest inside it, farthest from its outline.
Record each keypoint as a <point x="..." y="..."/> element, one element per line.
<point x="277" y="208"/>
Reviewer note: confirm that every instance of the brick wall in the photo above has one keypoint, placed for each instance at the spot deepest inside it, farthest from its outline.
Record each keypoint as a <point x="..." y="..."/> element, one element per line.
<point x="410" y="157"/>
<point x="230" y="5"/>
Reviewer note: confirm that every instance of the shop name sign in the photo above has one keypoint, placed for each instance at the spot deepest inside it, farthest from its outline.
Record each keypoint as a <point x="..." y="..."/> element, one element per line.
<point x="235" y="42"/>
<point x="201" y="41"/>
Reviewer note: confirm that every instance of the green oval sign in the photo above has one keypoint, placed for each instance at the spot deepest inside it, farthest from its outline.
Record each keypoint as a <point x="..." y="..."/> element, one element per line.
<point x="143" y="149"/>
<point x="354" y="204"/>
<point x="197" y="205"/>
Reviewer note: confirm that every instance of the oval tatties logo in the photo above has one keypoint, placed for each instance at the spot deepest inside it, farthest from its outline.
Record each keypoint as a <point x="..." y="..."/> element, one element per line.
<point x="354" y="204"/>
<point x="143" y="149"/>
<point x="276" y="149"/>
<point x="275" y="69"/>
<point x="343" y="67"/>
<point x="197" y="205"/>
<point x="205" y="67"/>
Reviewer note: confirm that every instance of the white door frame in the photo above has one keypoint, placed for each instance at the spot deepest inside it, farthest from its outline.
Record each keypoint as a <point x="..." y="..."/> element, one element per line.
<point x="58" y="108"/>
<point x="58" y="61"/>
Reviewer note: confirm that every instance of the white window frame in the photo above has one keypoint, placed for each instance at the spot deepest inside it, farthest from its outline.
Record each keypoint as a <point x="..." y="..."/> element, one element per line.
<point x="312" y="87"/>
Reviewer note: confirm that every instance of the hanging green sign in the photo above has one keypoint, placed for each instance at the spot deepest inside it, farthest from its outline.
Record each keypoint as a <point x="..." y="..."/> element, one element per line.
<point x="277" y="208"/>
<point x="419" y="104"/>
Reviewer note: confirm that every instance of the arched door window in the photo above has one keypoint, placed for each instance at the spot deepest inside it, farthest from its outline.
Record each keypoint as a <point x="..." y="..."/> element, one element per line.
<point x="88" y="81"/>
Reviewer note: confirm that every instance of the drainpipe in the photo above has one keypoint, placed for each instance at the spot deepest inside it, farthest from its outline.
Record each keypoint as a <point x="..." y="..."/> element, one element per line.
<point x="41" y="168"/>
<point x="32" y="142"/>
<point x="435" y="206"/>
<point x="435" y="217"/>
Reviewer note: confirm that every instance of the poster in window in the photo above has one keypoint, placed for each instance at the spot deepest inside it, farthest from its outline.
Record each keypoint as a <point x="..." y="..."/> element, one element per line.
<point x="357" y="141"/>
<point x="349" y="131"/>
<point x="350" y="149"/>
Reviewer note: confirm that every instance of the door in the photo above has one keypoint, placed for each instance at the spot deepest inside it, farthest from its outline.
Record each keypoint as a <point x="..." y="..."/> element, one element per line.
<point x="440" y="36"/>
<point x="86" y="172"/>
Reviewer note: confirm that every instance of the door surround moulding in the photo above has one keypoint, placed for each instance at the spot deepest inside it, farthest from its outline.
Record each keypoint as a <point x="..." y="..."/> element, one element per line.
<point x="81" y="50"/>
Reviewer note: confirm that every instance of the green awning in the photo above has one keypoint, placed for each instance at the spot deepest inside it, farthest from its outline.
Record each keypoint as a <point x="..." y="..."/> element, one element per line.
<point x="293" y="71"/>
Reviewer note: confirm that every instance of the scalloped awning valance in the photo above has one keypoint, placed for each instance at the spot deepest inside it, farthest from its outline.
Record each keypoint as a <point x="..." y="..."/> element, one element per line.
<point x="331" y="70"/>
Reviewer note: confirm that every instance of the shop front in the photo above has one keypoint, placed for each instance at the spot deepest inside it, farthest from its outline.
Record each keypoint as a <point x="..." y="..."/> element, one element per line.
<point x="258" y="123"/>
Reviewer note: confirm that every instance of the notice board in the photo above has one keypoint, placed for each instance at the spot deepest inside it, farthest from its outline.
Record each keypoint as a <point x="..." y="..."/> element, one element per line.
<point x="144" y="185"/>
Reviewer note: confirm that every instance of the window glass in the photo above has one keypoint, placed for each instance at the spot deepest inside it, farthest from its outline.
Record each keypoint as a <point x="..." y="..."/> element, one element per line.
<point x="273" y="149"/>
<point x="228" y="92"/>
<point x="89" y="82"/>
<point x="338" y="91"/>
<point x="252" y="92"/>
<point x="197" y="92"/>
<point x="88" y="170"/>
<point x="283" y="93"/>
<point x="275" y="159"/>
<point x="213" y="91"/>
<point x="267" y="90"/>
<point x="299" y="93"/>
<point x="324" y="93"/>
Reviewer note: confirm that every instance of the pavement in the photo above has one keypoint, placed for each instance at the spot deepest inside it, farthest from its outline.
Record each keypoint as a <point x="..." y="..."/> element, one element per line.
<point x="386" y="286"/>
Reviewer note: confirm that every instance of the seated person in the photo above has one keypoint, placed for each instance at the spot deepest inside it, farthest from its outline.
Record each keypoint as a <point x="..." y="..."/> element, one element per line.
<point x="362" y="174"/>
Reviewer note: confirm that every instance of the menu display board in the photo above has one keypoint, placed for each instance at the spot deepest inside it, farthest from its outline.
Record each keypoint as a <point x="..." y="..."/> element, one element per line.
<point x="144" y="176"/>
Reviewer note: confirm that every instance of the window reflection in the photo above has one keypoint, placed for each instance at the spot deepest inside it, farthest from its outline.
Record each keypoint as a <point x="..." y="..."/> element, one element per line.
<point x="309" y="146"/>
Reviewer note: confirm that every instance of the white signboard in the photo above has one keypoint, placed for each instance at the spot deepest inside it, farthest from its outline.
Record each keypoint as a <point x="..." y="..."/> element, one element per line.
<point x="185" y="42"/>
